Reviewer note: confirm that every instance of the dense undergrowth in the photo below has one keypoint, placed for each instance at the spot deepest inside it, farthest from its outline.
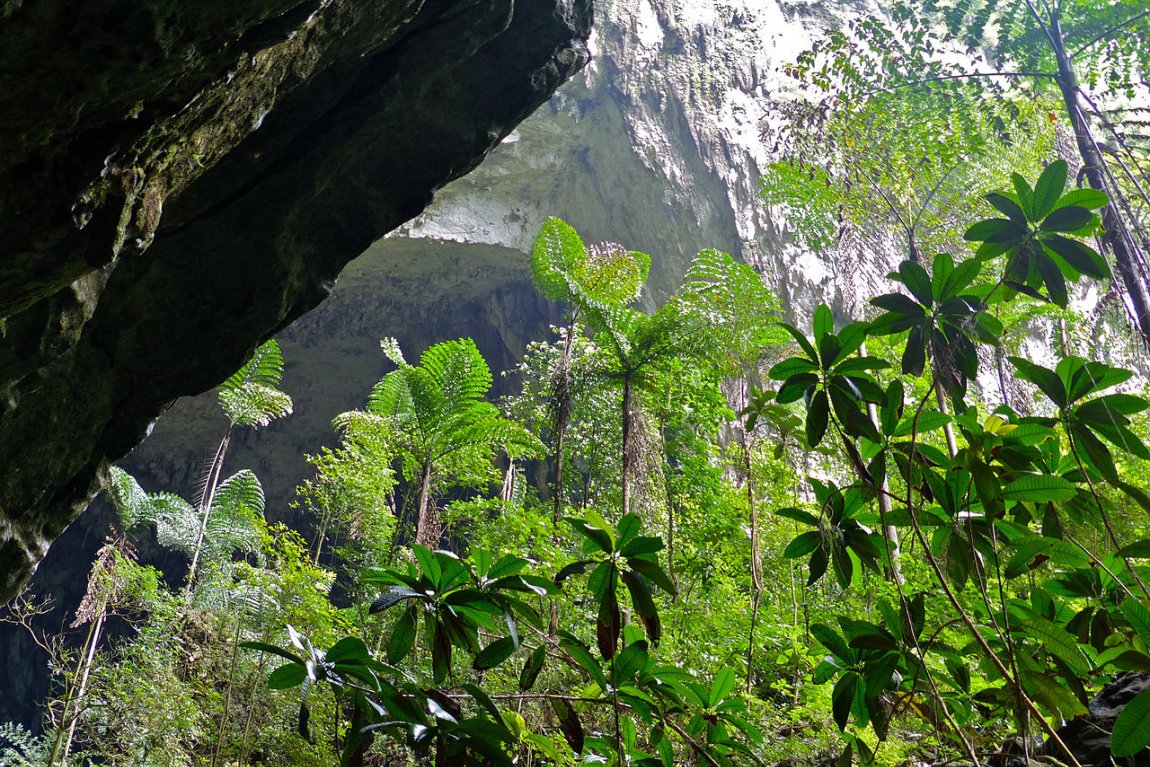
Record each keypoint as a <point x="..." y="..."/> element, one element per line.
<point x="699" y="535"/>
<point x="867" y="560"/>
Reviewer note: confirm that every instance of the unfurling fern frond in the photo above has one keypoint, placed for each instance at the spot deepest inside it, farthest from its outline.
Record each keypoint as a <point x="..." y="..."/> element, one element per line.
<point x="250" y="397"/>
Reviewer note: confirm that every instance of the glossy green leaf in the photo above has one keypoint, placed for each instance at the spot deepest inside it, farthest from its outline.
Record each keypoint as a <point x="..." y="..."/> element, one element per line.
<point x="803" y="544"/>
<point x="721" y="687"/>
<point x="402" y="638"/>
<point x="1049" y="382"/>
<point x="287" y="676"/>
<point x="1131" y="731"/>
<point x="532" y="667"/>
<point x="1067" y="219"/>
<point x="917" y="282"/>
<point x="1039" y="488"/>
<point x="1048" y="188"/>
<point x="818" y="415"/>
<point x="494" y="654"/>
<point x="348" y="648"/>
<point x="824" y="323"/>
<point x="644" y="604"/>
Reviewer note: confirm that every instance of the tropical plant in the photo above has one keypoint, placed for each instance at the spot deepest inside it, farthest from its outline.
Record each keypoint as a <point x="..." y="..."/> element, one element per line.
<point x="445" y="433"/>
<point x="1007" y="495"/>
<point x="248" y="398"/>
<point x="722" y="310"/>
<point x="982" y="61"/>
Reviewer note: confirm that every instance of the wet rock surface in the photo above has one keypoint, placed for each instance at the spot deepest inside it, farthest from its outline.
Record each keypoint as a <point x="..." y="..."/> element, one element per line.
<point x="180" y="182"/>
<point x="1089" y="736"/>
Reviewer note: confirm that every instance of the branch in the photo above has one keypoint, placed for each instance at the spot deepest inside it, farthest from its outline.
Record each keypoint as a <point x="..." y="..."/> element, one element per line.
<point x="1110" y="31"/>
<point x="965" y="76"/>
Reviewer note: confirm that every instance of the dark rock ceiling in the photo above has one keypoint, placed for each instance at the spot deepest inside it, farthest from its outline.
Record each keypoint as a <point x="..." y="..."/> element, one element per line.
<point x="179" y="181"/>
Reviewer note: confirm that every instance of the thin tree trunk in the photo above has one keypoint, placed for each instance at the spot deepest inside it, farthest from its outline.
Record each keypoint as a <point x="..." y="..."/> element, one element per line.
<point x="756" y="557"/>
<point x="627" y="459"/>
<point x="423" y="522"/>
<point x="562" y="418"/>
<point x="88" y="661"/>
<point x="1127" y="256"/>
<point x="207" y="497"/>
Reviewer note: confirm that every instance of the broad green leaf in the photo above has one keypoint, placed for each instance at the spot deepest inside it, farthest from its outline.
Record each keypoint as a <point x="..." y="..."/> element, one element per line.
<point x="287" y="676"/>
<point x="532" y="667"/>
<point x="1039" y="488"/>
<point x="917" y="282"/>
<point x="1136" y="550"/>
<point x="801" y="339"/>
<point x="798" y="515"/>
<point x="1049" y="382"/>
<point x="803" y="544"/>
<point x="721" y="687"/>
<point x="270" y="648"/>
<point x="508" y="565"/>
<point x="630" y="661"/>
<point x="1025" y="195"/>
<point x="830" y="639"/>
<point x="790" y="367"/>
<point x="1138" y="615"/>
<point x="1131" y="731"/>
<point x="1085" y="197"/>
<point x="842" y="698"/>
<point x="1053" y="695"/>
<point x="494" y="654"/>
<point x="402" y="638"/>
<point x="1048" y="188"/>
<point x="348" y="648"/>
<point x="1057" y="641"/>
<point x="818" y="415"/>
<point x="1078" y="255"/>
<point x="824" y="323"/>
<point x="644" y="604"/>
<point x="428" y="563"/>
<point x="1067" y="219"/>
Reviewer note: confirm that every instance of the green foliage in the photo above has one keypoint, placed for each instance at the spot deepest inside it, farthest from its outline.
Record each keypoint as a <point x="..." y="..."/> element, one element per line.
<point x="1008" y="497"/>
<point x="250" y="397"/>
<point x="828" y="374"/>
<point x="443" y="429"/>
<point x="987" y="562"/>
<point x="234" y="524"/>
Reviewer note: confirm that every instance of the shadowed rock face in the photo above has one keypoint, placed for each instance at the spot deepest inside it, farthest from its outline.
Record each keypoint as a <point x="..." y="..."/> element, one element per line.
<point x="179" y="181"/>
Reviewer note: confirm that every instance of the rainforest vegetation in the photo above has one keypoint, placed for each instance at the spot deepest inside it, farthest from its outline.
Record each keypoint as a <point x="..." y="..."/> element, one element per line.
<point x="722" y="531"/>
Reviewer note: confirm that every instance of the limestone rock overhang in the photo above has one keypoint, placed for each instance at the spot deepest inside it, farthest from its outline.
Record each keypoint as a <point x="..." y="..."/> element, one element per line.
<point x="179" y="181"/>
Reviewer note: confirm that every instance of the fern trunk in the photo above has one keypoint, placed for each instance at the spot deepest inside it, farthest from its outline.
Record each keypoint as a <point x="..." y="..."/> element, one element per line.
<point x="1128" y="257"/>
<point x="424" y="535"/>
<point x="627" y="450"/>
<point x="211" y="482"/>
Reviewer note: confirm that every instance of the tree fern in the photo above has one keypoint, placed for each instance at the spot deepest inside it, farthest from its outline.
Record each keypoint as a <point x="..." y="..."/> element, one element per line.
<point x="443" y="429"/>
<point x="722" y="311"/>
<point x="234" y="524"/>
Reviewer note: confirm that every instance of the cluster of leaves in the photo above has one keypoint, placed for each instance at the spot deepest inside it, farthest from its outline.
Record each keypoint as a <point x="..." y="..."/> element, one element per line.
<point x="1006" y="501"/>
<point x="459" y="602"/>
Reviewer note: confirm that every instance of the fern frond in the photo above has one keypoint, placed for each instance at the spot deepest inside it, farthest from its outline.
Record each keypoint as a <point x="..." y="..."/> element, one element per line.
<point x="177" y="522"/>
<point x="250" y="397"/>
<point x="129" y="499"/>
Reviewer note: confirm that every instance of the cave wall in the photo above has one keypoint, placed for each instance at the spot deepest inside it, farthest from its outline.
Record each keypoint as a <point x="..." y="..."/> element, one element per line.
<point x="180" y="182"/>
<point x="655" y="144"/>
